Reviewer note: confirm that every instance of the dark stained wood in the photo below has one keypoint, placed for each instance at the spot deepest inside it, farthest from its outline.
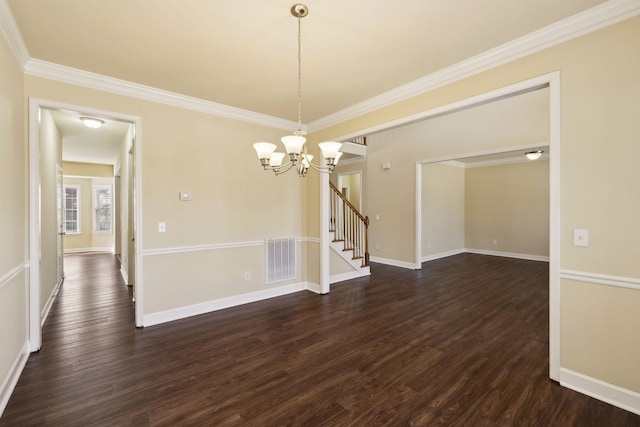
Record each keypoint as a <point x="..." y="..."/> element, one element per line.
<point x="462" y="342"/>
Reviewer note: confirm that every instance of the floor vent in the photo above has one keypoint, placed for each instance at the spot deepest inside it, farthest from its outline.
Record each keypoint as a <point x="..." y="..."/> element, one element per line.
<point x="281" y="259"/>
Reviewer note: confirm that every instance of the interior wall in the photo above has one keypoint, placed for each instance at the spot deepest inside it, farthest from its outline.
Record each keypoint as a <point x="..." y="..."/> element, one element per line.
<point x="50" y="159"/>
<point x="503" y="124"/>
<point x="14" y="226"/>
<point x="507" y="208"/>
<point x="443" y="209"/>
<point x="600" y="96"/>
<point x="232" y="207"/>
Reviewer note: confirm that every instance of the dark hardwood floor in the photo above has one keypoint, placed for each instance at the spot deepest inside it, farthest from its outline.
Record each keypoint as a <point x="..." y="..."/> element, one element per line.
<point x="462" y="342"/>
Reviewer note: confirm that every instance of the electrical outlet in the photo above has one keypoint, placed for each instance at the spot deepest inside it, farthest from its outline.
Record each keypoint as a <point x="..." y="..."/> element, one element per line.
<point x="495" y="242"/>
<point x="377" y="246"/>
<point x="162" y="227"/>
<point x="580" y="237"/>
<point x="247" y="275"/>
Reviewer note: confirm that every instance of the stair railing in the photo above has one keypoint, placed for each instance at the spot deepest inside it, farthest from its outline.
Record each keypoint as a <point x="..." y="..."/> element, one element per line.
<point x="348" y="225"/>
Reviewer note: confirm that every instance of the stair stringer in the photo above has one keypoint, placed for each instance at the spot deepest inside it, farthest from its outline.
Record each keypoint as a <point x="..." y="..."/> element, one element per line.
<point x="356" y="264"/>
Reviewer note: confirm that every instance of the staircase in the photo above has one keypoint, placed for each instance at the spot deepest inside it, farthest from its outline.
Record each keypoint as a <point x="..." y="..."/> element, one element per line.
<point x="348" y="230"/>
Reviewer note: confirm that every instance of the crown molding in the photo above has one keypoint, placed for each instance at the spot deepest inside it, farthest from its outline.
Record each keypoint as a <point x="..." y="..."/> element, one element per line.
<point x="598" y="17"/>
<point x="61" y="73"/>
<point x="12" y="35"/>
<point x="606" y="14"/>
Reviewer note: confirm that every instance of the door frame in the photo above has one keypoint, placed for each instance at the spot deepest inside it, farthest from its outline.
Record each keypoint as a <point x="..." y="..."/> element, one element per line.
<point x="35" y="105"/>
<point x="550" y="80"/>
<point x="355" y="172"/>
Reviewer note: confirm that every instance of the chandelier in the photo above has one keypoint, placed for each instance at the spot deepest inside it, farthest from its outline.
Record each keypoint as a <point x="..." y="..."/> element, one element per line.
<point x="270" y="159"/>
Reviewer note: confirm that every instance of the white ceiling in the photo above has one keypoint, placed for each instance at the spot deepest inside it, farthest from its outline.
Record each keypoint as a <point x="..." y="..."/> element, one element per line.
<point x="243" y="53"/>
<point x="82" y="144"/>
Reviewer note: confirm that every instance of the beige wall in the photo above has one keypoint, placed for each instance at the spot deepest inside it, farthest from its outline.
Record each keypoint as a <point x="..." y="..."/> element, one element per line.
<point x="600" y="97"/>
<point x="87" y="169"/>
<point x="50" y="161"/>
<point x="232" y="202"/>
<point x="443" y="209"/>
<point x="13" y="227"/>
<point x="390" y="193"/>
<point x="508" y="204"/>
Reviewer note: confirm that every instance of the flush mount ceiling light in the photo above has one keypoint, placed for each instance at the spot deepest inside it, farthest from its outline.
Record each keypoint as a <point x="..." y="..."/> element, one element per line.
<point x="534" y="155"/>
<point x="91" y="122"/>
<point x="294" y="144"/>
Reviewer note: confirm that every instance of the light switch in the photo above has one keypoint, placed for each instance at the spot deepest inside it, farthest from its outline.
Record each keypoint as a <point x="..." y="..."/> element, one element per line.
<point x="580" y="237"/>
<point x="184" y="196"/>
<point x="162" y="227"/>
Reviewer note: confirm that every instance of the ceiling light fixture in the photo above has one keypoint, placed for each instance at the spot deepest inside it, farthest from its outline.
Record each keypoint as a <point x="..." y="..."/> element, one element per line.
<point x="294" y="144"/>
<point x="91" y="122"/>
<point x="534" y="155"/>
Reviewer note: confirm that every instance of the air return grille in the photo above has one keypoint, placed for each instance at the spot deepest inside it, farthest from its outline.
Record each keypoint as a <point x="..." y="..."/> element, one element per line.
<point x="281" y="259"/>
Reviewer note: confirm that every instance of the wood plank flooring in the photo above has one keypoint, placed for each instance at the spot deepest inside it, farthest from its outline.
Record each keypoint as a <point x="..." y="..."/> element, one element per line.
<point x="462" y="342"/>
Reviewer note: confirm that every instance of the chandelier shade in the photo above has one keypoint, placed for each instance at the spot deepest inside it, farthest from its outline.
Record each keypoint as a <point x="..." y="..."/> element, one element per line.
<point x="294" y="144"/>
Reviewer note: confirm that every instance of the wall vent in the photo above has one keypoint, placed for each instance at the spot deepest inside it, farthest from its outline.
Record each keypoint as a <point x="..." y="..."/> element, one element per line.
<point x="281" y="259"/>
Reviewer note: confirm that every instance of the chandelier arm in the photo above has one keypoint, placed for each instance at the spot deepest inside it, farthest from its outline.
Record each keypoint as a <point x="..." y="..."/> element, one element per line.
<point x="278" y="170"/>
<point x="323" y="169"/>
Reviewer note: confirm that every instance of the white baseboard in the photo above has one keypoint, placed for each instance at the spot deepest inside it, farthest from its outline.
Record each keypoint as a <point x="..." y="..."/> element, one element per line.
<point x="222" y="303"/>
<point x="313" y="287"/>
<point x="47" y="307"/>
<point x="395" y="263"/>
<point x="508" y="254"/>
<point x="9" y="383"/>
<point x="81" y="250"/>
<point x="124" y="275"/>
<point x="442" y="255"/>
<point x="362" y="272"/>
<point x="609" y="393"/>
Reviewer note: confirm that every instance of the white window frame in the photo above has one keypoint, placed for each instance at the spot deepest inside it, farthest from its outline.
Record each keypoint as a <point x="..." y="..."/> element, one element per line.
<point x="95" y="207"/>
<point x="78" y="209"/>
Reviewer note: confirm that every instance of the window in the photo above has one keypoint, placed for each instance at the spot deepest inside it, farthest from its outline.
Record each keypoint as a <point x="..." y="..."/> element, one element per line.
<point x="71" y="209"/>
<point x="102" y="209"/>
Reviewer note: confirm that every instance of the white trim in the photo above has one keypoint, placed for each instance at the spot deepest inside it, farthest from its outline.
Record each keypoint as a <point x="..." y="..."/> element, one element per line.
<point x="217" y="246"/>
<point x="362" y="272"/>
<point x="325" y="239"/>
<point x="35" y="330"/>
<point x="439" y="255"/>
<point x="12" y="274"/>
<point x="124" y="275"/>
<point x="603" y="15"/>
<point x="554" y="225"/>
<point x="64" y="74"/>
<point x="308" y="239"/>
<point x="93" y="249"/>
<point x="617" y="396"/>
<point x="504" y="161"/>
<point x="47" y="306"/>
<point x="12" y="35"/>
<point x="35" y="104"/>
<point x="221" y="304"/>
<point x="508" y="255"/>
<point x="601" y="279"/>
<point x="200" y="248"/>
<point x="313" y="287"/>
<point x="10" y="381"/>
<point x="395" y="263"/>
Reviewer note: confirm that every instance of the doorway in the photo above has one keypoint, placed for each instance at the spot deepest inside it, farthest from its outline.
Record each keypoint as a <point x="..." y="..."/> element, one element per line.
<point x="46" y="137"/>
<point x="350" y="184"/>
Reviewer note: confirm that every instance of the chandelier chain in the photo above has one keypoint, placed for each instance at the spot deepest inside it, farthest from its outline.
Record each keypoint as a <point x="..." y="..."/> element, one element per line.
<point x="299" y="73"/>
